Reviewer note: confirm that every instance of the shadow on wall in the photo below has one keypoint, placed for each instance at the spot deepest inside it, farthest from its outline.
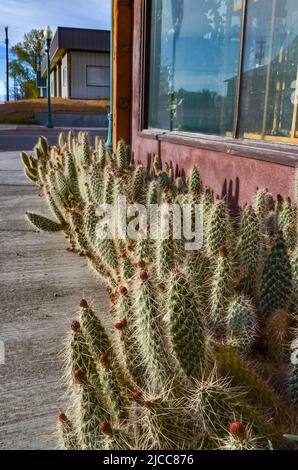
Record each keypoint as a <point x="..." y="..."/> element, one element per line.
<point x="230" y="190"/>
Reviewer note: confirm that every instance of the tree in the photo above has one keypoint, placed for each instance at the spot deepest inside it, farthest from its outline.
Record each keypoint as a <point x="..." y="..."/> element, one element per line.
<point x="26" y="64"/>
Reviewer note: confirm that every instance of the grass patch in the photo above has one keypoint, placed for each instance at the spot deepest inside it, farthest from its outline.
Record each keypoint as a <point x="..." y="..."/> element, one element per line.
<point x="23" y="111"/>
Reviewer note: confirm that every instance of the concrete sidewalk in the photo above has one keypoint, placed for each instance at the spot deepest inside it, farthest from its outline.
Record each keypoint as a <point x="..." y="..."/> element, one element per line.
<point x="40" y="287"/>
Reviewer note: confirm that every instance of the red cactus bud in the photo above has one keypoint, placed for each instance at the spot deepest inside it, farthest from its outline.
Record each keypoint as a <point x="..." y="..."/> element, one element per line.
<point x="147" y="404"/>
<point x="169" y="200"/>
<point x="123" y="290"/>
<point x="222" y="249"/>
<point x="103" y="358"/>
<point x="118" y="326"/>
<point x="75" y="325"/>
<point x="105" y="428"/>
<point x="143" y="276"/>
<point x="62" y="417"/>
<point x="78" y="374"/>
<point x="83" y="303"/>
<point x="123" y="322"/>
<point x="137" y="395"/>
<point x="235" y="427"/>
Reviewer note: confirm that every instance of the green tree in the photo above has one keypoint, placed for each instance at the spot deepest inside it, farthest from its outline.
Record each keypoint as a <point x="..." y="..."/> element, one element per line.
<point x="26" y="64"/>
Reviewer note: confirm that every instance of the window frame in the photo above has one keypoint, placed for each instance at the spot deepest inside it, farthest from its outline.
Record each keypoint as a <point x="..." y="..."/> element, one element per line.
<point x="231" y="145"/>
<point x="96" y="67"/>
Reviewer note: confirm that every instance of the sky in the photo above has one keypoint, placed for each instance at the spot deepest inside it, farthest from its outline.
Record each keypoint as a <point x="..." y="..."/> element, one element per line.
<point x="23" y="15"/>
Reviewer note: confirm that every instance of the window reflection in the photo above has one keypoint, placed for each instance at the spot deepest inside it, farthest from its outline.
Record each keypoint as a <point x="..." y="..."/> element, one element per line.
<point x="269" y="81"/>
<point x="194" y="69"/>
<point x="194" y="57"/>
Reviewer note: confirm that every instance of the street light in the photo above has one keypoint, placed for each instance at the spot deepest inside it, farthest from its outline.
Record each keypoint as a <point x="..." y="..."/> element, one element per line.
<point x="48" y="35"/>
<point x="109" y="141"/>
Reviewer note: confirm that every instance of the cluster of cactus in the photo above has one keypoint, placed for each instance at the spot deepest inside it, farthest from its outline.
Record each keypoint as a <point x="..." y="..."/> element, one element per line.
<point x="186" y="323"/>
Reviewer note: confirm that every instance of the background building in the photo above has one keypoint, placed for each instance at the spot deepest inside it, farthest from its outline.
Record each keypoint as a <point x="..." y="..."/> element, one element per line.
<point x="80" y="64"/>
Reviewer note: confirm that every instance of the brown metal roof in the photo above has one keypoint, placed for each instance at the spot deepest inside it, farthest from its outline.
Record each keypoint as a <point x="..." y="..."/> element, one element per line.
<point x="77" y="39"/>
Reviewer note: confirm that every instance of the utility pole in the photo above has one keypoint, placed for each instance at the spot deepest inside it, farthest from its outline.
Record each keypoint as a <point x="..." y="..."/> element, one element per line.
<point x="7" y="64"/>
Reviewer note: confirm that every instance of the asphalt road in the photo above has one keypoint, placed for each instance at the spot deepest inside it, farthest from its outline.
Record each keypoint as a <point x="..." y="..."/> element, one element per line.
<point x="25" y="139"/>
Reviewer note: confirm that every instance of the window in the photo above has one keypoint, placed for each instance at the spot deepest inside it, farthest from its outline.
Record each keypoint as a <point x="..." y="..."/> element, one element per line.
<point x="270" y="71"/>
<point x="64" y="80"/>
<point x="224" y="67"/>
<point x="98" y="76"/>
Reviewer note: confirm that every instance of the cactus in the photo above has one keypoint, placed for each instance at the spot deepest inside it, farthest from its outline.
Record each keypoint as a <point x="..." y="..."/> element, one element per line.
<point x="244" y="442"/>
<point x="195" y="184"/>
<point x="287" y="223"/>
<point x="90" y="224"/>
<point x="108" y="188"/>
<point x="263" y="204"/>
<point x="187" y="326"/>
<point x="276" y="281"/>
<point x="139" y="185"/>
<point x="67" y="433"/>
<point x="107" y="251"/>
<point x="218" y="229"/>
<point x="249" y="250"/>
<point x="146" y="383"/>
<point x="149" y="331"/>
<point x="241" y="374"/>
<point x="218" y="405"/>
<point x="220" y="292"/>
<point x="294" y="265"/>
<point x="43" y="223"/>
<point x="242" y="324"/>
<point x="122" y="156"/>
<point x="277" y="334"/>
<point x="96" y="184"/>
<point x="198" y="271"/>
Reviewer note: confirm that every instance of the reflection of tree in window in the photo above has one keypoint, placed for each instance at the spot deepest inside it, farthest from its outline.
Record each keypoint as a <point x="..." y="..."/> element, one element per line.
<point x="194" y="51"/>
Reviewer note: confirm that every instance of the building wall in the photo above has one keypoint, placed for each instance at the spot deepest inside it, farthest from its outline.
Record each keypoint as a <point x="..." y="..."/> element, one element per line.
<point x="225" y="166"/>
<point x="64" y="80"/>
<point x="53" y="80"/>
<point x="79" y="63"/>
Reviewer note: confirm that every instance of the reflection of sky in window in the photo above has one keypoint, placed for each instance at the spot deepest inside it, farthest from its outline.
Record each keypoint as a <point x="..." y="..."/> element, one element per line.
<point x="206" y="56"/>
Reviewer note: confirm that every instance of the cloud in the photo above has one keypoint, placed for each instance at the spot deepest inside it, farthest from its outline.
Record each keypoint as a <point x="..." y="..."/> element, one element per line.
<point x="23" y="15"/>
